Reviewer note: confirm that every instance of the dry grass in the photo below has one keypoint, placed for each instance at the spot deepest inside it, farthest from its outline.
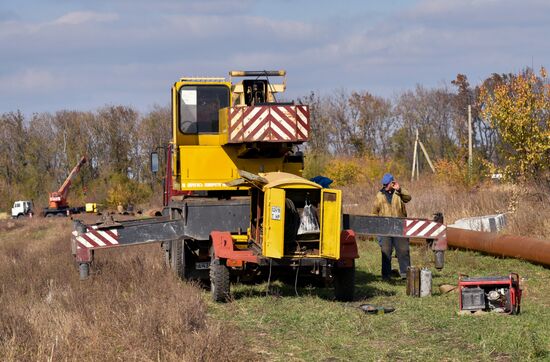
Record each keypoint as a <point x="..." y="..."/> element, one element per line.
<point x="134" y="309"/>
<point x="528" y="208"/>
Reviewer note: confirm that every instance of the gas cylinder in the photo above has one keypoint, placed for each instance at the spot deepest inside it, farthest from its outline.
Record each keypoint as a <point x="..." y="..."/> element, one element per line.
<point x="413" y="281"/>
<point x="425" y="282"/>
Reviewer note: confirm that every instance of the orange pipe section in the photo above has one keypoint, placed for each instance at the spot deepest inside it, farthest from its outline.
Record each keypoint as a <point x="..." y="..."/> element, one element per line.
<point x="534" y="250"/>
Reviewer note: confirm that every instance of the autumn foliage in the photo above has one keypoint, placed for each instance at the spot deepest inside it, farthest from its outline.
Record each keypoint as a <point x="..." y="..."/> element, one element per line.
<point x="519" y="108"/>
<point x="355" y="137"/>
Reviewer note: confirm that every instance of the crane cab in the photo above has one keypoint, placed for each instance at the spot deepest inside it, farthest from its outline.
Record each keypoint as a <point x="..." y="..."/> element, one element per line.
<point x="221" y="126"/>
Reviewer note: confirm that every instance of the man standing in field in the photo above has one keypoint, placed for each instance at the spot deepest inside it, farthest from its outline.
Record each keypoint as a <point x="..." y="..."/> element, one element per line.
<point x="390" y="201"/>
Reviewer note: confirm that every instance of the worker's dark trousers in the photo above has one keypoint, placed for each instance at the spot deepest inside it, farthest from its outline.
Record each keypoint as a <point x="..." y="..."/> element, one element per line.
<point x="401" y="246"/>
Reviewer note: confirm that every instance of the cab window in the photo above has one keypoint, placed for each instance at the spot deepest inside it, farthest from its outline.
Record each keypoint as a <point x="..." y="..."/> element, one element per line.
<point x="199" y="106"/>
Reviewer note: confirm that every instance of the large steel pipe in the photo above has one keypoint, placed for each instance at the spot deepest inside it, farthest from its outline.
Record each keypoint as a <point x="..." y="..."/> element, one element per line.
<point x="534" y="250"/>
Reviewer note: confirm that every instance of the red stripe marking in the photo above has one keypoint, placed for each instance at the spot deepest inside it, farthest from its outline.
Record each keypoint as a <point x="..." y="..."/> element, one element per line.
<point x="89" y="240"/>
<point x="289" y="121"/>
<point x="250" y="122"/>
<point x="413" y="224"/>
<point x="422" y="228"/>
<point x="289" y="135"/>
<point x="249" y="110"/>
<point x="432" y="229"/>
<point x="234" y="119"/>
<point x="271" y="135"/>
<point x="233" y="110"/>
<point x="98" y="235"/>
<point x="265" y="135"/>
<point x="111" y="234"/>
<point x="305" y="124"/>
<point x="255" y="130"/>
<point x="305" y="112"/>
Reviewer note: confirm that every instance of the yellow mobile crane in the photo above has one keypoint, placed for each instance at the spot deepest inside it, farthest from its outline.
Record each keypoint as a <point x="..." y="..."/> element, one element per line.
<point x="235" y="201"/>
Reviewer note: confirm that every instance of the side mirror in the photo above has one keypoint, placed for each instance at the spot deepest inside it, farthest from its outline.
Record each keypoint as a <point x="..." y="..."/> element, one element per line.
<point x="154" y="162"/>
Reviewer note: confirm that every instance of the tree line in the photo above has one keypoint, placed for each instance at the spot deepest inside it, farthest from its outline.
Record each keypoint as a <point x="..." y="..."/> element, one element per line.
<point x="510" y="118"/>
<point x="37" y="154"/>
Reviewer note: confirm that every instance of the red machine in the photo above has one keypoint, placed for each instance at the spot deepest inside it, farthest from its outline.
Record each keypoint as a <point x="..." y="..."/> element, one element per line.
<point x="58" y="205"/>
<point x="490" y="294"/>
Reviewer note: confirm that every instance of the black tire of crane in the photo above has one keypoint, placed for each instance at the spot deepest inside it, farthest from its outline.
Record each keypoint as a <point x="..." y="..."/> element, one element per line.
<point x="177" y="258"/>
<point x="344" y="283"/>
<point x="219" y="282"/>
<point x="292" y="221"/>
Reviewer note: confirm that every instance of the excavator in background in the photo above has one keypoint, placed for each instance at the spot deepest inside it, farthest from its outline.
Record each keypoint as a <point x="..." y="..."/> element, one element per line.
<point x="58" y="205"/>
<point x="236" y="204"/>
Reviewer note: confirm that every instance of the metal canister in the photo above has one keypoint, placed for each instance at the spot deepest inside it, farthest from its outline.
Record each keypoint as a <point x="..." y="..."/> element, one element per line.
<point x="413" y="281"/>
<point x="425" y="282"/>
<point x="439" y="256"/>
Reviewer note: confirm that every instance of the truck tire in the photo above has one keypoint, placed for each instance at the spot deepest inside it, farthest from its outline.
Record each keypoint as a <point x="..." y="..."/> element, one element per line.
<point x="344" y="283"/>
<point x="219" y="282"/>
<point x="177" y="258"/>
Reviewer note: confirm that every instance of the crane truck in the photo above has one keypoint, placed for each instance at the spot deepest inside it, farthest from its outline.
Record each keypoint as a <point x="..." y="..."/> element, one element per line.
<point x="235" y="199"/>
<point x="58" y="205"/>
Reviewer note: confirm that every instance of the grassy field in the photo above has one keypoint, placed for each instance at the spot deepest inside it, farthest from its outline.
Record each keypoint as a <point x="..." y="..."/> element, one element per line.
<point x="313" y="327"/>
<point x="133" y="308"/>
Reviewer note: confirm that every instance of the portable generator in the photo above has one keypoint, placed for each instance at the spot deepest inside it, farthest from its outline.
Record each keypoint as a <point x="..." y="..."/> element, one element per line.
<point x="491" y="294"/>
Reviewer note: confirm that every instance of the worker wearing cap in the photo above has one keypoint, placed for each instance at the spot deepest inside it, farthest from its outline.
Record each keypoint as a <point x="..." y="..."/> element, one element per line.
<point x="390" y="201"/>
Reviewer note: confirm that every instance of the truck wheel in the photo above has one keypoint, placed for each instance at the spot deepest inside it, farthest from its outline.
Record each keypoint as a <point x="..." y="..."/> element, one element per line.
<point x="219" y="282"/>
<point x="177" y="258"/>
<point x="344" y="283"/>
<point x="49" y="215"/>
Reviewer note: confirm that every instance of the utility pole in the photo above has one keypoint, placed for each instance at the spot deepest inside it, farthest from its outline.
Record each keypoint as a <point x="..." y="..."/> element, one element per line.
<point x="470" y="142"/>
<point x="414" y="156"/>
<point x="426" y="155"/>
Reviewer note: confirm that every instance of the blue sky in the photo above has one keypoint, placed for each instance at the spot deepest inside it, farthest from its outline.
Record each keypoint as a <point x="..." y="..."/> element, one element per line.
<point x="76" y="54"/>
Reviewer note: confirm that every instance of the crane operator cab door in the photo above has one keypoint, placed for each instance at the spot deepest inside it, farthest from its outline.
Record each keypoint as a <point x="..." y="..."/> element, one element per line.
<point x="330" y="223"/>
<point x="274" y="223"/>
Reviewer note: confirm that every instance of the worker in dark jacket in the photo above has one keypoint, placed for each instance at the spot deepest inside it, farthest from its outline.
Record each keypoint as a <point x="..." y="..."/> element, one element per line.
<point x="390" y="201"/>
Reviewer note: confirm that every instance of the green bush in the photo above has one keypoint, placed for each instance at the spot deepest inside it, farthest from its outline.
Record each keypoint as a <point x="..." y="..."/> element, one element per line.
<point x="124" y="191"/>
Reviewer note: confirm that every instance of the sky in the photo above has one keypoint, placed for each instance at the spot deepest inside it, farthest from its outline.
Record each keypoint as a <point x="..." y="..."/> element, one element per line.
<point x="82" y="55"/>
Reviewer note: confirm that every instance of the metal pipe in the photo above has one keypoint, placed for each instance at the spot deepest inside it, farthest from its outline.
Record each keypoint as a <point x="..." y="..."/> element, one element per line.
<point x="534" y="250"/>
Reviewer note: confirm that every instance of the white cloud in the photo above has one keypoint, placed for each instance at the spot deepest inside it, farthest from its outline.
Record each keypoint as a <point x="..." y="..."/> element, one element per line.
<point x="242" y="28"/>
<point x="80" y="17"/>
<point x="32" y="80"/>
<point x="138" y="54"/>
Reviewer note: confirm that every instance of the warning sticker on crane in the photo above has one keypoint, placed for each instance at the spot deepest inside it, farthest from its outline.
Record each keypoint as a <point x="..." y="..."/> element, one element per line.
<point x="275" y="213"/>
